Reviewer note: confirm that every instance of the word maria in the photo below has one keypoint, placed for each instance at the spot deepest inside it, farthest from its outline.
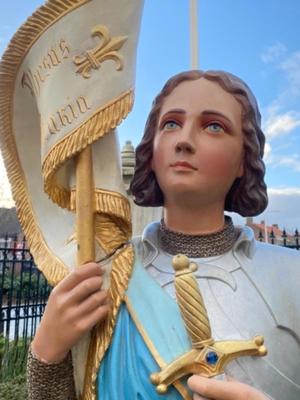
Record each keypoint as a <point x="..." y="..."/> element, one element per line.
<point x="67" y="115"/>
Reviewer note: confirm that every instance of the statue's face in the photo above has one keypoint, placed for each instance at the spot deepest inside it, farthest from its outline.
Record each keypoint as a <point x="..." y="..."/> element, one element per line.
<point x="198" y="144"/>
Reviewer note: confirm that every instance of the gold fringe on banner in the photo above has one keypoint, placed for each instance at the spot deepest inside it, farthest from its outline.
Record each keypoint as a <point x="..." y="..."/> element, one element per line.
<point x="112" y="218"/>
<point x="103" y="121"/>
<point x="110" y="232"/>
<point x="53" y="268"/>
<point x="110" y="202"/>
<point x="107" y="202"/>
<point x="101" y="335"/>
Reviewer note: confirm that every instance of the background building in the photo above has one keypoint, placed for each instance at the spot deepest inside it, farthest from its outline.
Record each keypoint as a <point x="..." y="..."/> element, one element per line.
<point x="270" y="233"/>
<point x="141" y="216"/>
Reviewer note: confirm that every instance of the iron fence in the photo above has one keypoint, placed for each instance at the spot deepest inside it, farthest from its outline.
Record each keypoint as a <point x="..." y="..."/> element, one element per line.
<point x="23" y="296"/>
<point x="284" y="239"/>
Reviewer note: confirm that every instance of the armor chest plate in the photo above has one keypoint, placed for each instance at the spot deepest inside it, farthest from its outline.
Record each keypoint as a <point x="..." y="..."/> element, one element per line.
<point x="238" y="309"/>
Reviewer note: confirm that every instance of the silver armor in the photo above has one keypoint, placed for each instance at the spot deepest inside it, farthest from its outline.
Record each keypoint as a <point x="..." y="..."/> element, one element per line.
<point x="252" y="289"/>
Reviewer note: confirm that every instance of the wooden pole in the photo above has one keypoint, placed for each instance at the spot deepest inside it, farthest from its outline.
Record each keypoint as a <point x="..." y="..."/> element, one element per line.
<point x="194" y="34"/>
<point x="85" y="207"/>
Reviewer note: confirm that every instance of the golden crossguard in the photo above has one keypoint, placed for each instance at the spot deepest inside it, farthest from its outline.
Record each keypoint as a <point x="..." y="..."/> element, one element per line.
<point x="207" y="357"/>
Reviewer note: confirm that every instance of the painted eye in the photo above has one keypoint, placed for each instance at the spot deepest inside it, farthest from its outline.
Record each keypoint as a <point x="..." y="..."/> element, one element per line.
<point x="215" y="127"/>
<point x="170" y="125"/>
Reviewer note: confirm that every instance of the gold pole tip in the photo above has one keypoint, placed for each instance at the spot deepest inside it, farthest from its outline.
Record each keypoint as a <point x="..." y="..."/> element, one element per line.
<point x="180" y="262"/>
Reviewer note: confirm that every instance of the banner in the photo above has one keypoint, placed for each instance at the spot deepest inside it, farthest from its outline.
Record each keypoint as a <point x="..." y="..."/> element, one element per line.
<point x="66" y="82"/>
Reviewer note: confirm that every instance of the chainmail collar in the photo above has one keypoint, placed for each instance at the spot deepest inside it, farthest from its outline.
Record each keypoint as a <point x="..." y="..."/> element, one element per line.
<point x="196" y="246"/>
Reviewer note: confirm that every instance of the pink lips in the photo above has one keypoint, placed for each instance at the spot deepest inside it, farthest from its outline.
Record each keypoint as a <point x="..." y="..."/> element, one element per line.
<point x="183" y="164"/>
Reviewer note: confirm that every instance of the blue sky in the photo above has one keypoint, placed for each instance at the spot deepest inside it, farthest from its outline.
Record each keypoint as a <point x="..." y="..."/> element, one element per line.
<point x="256" y="40"/>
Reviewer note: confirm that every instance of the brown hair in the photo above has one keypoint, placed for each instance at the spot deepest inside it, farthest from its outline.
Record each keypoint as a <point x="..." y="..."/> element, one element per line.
<point x="247" y="195"/>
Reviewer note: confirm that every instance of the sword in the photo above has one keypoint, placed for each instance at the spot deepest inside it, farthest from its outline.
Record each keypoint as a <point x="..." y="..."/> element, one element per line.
<point x="207" y="356"/>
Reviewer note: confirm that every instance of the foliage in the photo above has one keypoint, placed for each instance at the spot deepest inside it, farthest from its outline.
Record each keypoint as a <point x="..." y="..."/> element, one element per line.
<point x="13" y="355"/>
<point x="27" y="286"/>
<point x="2" y="346"/>
<point x="14" y="389"/>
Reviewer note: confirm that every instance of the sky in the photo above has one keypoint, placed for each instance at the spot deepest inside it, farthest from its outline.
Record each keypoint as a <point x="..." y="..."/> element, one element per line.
<point x="256" y="40"/>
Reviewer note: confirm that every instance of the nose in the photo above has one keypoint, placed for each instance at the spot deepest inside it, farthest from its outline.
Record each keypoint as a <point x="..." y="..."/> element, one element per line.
<point x="184" y="146"/>
<point x="186" y="139"/>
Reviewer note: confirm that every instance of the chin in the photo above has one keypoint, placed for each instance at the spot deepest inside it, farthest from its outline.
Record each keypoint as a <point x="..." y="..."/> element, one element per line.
<point x="182" y="185"/>
<point x="182" y="192"/>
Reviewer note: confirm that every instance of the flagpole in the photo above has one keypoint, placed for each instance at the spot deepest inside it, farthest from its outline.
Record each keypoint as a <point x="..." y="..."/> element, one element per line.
<point x="85" y="208"/>
<point x="194" y="34"/>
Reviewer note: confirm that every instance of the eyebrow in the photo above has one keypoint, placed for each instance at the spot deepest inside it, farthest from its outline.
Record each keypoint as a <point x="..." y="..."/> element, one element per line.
<point x="174" y="111"/>
<point x="218" y="114"/>
<point x="205" y="112"/>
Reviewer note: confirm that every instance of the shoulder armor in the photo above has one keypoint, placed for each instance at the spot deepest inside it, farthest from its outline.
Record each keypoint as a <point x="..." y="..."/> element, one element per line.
<point x="275" y="271"/>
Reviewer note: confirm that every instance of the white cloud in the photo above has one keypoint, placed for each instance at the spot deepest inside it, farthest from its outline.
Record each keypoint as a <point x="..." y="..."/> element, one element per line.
<point x="274" y="52"/>
<point x="267" y="153"/>
<point x="280" y="118"/>
<point x="292" y="161"/>
<point x="288" y="65"/>
<point x="283" y="208"/>
<point x="291" y="67"/>
<point x="280" y="124"/>
<point x="288" y="191"/>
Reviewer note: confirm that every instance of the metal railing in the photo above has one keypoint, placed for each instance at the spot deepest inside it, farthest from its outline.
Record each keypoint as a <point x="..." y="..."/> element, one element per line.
<point x="286" y="240"/>
<point x="23" y="296"/>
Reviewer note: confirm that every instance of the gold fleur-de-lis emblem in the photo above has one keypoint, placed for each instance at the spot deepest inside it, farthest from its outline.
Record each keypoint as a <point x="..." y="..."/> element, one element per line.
<point x="106" y="50"/>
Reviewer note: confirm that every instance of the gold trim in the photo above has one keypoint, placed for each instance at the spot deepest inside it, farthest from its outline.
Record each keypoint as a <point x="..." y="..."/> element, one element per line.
<point x="162" y="364"/>
<point x="112" y="215"/>
<point x="144" y="335"/>
<point x="45" y="16"/>
<point x="101" y="335"/>
<point x="103" y="120"/>
<point x="108" y="202"/>
<point x="105" y="50"/>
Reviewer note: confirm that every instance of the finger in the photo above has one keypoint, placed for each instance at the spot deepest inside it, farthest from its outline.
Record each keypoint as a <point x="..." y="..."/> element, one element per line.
<point x="83" y="290"/>
<point x="198" y="397"/>
<point x="94" y="301"/>
<point x="219" y="390"/>
<point x="95" y="316"/>
<point x="78" y="275"/>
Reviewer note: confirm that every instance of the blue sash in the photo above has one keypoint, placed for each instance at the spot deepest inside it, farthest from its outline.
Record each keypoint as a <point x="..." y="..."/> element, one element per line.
<point x="149" y="334"/>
